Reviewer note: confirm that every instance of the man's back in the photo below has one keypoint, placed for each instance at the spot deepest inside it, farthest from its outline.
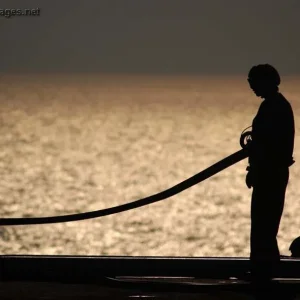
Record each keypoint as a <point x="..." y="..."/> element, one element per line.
<point x="273" y="133"/>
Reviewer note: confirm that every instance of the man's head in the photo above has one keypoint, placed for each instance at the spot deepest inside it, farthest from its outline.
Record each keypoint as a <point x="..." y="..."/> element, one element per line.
<point x="264" y="80"/>
<point x="295" y="247"/>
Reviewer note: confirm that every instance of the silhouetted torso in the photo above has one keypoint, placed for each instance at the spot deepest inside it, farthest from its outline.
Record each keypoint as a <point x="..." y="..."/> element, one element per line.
<point x="273" y="133"/>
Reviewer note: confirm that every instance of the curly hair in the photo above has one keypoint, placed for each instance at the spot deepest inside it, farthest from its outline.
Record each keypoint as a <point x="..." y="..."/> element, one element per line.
<point x="265" y="74"/>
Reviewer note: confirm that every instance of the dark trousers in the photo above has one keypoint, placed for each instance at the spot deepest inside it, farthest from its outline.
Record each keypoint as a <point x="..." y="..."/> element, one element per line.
<point x="267" y="204"/>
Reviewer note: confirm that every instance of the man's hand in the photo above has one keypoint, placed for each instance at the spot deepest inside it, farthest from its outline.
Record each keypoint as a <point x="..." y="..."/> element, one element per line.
<point x="249" y="181"/>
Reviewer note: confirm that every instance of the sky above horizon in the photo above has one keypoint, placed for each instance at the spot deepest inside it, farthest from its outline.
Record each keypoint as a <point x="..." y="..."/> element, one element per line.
<point x="157" y="37"/>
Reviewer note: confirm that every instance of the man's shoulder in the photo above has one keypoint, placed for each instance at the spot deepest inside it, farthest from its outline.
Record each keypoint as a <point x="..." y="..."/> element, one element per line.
<point x="284" y="101"/>
<point x="282" y="104"/>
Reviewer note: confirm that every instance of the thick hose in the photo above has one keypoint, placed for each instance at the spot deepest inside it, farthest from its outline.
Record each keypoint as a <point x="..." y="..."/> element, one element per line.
<point x="212" y="170"/>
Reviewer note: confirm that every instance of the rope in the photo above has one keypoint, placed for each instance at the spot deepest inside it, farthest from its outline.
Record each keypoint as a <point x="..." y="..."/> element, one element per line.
<point x="216" y="168"/>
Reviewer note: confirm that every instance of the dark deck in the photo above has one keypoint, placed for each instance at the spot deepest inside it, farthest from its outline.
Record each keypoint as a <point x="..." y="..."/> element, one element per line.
<point x="115" y="277"/>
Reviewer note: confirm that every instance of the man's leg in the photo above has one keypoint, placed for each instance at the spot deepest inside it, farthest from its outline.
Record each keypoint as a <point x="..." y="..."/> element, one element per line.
<point x="266" y="210"/>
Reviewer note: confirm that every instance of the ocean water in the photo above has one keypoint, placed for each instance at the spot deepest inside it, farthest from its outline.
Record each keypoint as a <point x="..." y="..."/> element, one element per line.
<point x="73" y="144"/>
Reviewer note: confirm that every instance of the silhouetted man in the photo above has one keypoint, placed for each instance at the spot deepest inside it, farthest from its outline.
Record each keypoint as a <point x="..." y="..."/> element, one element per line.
<point x="270" y="155"/>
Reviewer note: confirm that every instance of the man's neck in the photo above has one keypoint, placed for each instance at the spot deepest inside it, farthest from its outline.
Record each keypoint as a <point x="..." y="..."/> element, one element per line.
<point x="272" y="96"/>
